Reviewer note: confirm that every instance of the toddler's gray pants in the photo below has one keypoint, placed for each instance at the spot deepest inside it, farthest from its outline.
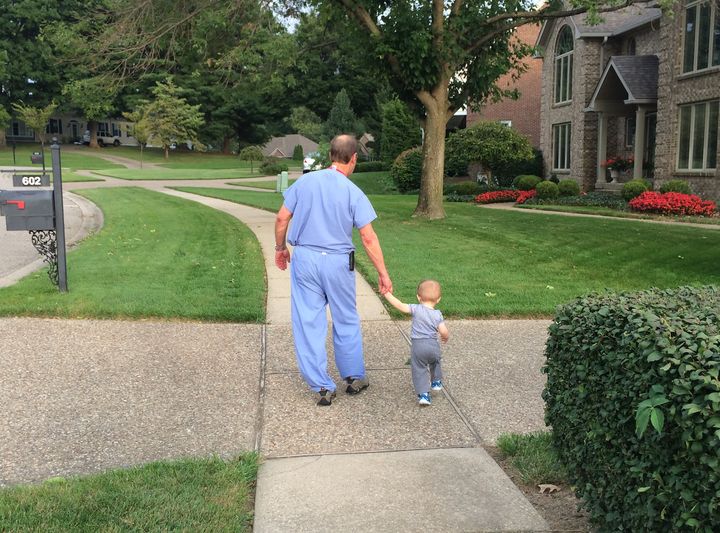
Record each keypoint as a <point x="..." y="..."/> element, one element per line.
<point x="425" y="363"/>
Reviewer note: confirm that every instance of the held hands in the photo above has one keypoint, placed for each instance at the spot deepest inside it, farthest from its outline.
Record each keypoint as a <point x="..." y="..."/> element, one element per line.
<point x="384" y="284"/>
<point x="282" y="258"/>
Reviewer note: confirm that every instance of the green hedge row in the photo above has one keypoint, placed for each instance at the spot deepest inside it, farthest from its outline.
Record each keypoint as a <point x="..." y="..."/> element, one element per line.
<point x="371" y="166"/>
<point x="633" y="396"/>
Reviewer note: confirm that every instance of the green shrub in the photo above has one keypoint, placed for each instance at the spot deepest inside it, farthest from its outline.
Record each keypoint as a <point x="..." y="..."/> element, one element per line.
<point x="298" y="154"/>
<point x="494" y="145"/>
<point x="465" y="188"/>
<point x="681" y="186"/>
<point x="272" y="165"/>
<point x="547" y="190"/>
<point x="406" y="170"/>
<point x="526" y="182"/>
<point x="454" y="197"/>
<point x="568" y="188"/>
<point x="633" y="398"/>
<point x="400" y="129"/>
<point x="634" y="188"/>
<point x="600" y="199"/>
<point x="372" y="166"/>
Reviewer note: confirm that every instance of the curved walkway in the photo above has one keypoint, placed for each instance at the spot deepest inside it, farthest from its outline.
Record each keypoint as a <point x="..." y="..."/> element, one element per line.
<point x="85" y="395"/>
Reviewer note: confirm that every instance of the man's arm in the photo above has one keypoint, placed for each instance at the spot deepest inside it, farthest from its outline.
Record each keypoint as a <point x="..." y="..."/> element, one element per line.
<point x="282" y="221"/>
<point x="372" y="247"/>
<point x="397" y="304"/>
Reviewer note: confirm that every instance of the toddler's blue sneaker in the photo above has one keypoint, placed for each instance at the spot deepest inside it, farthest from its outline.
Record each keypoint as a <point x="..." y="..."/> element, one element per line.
<point x="424" y="398"/>
<point x="436" y="385"/>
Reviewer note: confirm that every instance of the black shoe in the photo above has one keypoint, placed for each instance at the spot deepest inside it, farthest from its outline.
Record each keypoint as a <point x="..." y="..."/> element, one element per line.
<point x="325" y="397"/>
<point x="356" y="385"/>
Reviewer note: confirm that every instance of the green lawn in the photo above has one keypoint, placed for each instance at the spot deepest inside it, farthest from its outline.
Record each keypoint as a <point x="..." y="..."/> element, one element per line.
<point x="75" y="157"/>
<point x="505" y="263"/>
<point x="187" y="495"/>
<point x="157" y="256"/>
<point x="369" y="182"/>
<point x="269" y="185"/>
<point x="69" y="176"/>
<point x="178" y="173"/>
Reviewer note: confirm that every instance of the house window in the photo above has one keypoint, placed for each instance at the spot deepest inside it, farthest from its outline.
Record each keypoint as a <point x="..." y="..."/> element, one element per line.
<point x="507" y="123"/>
<point x="702" y="37"/>
<point x="102" y="129"/>
<point x="697" y="147"/>
<point x="630" y="131"/>
<point x="564" y="65"/>
<point x="54" y="126"/>
<point x="115" y="130"/>
<point x="561" y="146"/>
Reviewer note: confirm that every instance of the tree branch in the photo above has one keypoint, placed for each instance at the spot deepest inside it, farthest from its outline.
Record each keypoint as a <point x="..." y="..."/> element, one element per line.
<point x="528" y="17"/>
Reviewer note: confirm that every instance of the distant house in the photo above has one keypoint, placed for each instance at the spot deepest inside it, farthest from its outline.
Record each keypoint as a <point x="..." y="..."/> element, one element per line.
<point x="70" y="129"/>
<point x="640" y="84"/>
<point x="523" y="114"/>
<point x="283" y="146"/>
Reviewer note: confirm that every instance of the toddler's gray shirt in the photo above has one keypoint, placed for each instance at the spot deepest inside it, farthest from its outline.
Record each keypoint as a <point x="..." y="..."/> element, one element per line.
<point x="425" y="322"/>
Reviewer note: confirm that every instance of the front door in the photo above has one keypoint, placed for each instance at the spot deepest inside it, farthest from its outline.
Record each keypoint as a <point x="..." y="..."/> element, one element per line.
<point x="649" y="148"/>
<point x="74" y="131"/>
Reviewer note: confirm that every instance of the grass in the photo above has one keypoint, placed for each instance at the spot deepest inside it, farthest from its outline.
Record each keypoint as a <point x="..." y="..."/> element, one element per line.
<point x="68" y="176"/>
<point x="157" y="256"/>
<point x="533" y="456"/>
<point x="77" y="158"/>
<point x="496" y="263"/>
<point x="269" y="185"/>
<point x="177" y="174"/>
<point x="188" y="495"/>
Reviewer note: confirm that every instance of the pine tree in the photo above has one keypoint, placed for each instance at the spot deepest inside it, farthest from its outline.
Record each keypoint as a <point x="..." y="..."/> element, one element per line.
<point x="342" y="118"/>
<point x="400" y="130"/>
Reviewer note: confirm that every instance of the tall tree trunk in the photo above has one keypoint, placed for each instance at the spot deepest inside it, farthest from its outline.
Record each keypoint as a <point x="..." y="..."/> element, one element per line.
<point x="92" y="126"/>
<point x="167" y="151"/>
<point x="226" y="145"/>
<point x="3" y="141"/>
<point x="141" y="154"/>
<point x="430" y="200"/>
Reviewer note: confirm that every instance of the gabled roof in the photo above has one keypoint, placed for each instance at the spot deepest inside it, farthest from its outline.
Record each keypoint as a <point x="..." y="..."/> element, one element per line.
<point x="614" y="23"/>
<point x="284" y="146"/>
<point x="637" y="76"/>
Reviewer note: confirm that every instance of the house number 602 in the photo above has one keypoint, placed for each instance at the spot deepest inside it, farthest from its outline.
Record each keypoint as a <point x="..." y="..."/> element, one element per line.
<point x="32" y="180"/>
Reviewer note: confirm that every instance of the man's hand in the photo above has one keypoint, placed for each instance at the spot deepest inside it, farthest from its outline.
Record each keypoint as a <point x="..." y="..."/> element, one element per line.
<point x="384" y="283"/>
<point x="282" y="258"/>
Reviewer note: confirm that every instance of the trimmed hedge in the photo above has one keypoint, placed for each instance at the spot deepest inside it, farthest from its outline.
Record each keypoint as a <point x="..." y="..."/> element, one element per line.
<point x="526" y="182"/>
<point x="547" y="190"/>
<point x="407" y="169"/>
<point x="568" y="188"/>
<point x="465" y="188"/>
<point x="680" y="186"/>
<point x="633" y="396"/>
<point x="272" y="166"/>
<point x="634" y="187"/>
<point x="371" y="166"/>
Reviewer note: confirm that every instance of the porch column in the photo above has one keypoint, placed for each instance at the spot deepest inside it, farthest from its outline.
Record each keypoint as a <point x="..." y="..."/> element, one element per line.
<point x="601" y="149"/>
<point x="639" y="141"/>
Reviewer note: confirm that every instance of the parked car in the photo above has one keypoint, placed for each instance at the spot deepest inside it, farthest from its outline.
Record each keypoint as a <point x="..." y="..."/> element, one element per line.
<point x="102" y="139"/>
<point x="311" y="162"/>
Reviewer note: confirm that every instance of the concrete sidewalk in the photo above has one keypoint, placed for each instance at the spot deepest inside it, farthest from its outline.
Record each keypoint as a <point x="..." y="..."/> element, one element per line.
<point x="85" y="395"/>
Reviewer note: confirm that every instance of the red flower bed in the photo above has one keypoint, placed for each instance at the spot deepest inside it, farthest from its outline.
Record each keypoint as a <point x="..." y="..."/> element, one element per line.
<point x="497" y="196"/>
<point x="525" y="195"/>
<point x="672" y="203"/>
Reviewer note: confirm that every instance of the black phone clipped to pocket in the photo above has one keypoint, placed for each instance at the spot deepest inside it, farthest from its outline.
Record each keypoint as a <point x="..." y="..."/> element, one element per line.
<point x="352" y="260"/>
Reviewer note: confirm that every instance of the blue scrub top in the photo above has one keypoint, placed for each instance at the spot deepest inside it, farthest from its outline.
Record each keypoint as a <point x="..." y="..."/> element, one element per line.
<point x="326" y="206"/>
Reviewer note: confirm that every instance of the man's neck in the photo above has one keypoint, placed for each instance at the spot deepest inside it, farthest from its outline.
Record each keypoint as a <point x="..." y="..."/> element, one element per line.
<point x="343" y="168"/>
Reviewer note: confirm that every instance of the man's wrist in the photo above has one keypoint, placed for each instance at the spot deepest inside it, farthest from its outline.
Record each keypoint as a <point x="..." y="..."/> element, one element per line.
<point x="280" y="247"/>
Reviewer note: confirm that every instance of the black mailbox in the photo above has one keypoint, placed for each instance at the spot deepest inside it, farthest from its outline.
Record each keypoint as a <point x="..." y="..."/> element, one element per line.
<point x="27" y="210"/>
<point x="36" y="158"/>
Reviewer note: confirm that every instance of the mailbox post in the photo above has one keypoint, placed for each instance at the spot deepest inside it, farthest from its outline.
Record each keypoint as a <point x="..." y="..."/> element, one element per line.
<point x="41" y="213"/>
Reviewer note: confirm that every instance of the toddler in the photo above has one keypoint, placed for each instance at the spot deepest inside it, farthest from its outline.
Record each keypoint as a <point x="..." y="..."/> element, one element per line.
<point x="427" y="323"/>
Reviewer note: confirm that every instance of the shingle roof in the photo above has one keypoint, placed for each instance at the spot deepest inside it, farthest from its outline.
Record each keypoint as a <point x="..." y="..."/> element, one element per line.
<point x="618" y="22"/>
<point x="286" y="144"/>
<point x="639" y="74"/>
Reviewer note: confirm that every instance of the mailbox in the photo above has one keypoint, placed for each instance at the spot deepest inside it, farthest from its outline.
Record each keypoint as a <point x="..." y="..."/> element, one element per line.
<point x="27" y="210"/>
<point x="36" y="158"/>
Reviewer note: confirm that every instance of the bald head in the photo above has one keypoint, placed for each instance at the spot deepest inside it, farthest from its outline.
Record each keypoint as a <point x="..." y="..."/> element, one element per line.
<point x="342" y="148"/>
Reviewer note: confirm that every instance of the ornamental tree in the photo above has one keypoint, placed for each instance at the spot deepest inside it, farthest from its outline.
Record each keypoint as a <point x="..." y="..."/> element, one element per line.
<point x="251" y="153"/>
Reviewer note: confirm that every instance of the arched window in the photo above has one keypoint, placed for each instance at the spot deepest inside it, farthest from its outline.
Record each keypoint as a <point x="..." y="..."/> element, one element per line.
<point x="564" y="65"/>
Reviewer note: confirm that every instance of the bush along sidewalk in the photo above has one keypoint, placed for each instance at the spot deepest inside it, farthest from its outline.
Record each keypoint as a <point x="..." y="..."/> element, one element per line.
<point x="633" y="396"/>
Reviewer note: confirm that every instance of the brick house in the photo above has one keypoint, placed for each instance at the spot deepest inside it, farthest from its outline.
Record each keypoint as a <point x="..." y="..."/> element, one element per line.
<point x="640" y="85"/>
<point x="522" y="114"/>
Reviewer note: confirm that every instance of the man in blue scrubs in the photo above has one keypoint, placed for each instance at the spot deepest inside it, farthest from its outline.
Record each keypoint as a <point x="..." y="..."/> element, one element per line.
<point x="324" y="207"/>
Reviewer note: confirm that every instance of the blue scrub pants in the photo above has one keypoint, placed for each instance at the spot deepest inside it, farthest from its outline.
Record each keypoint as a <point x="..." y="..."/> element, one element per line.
<point x="318" y="279"/>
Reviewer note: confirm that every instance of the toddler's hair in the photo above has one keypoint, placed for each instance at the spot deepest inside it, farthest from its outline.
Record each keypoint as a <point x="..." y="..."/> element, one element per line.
<point x="429" y="290"/>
